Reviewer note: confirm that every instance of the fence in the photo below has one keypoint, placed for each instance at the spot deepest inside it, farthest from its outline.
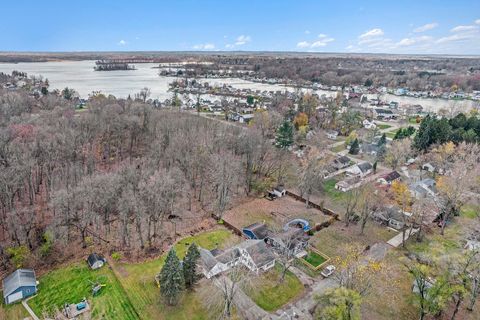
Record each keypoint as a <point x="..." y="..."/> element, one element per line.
<point x="309" y="265"/>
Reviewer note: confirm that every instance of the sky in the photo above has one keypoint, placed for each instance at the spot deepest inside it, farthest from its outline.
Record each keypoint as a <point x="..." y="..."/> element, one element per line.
<point x="404" y="27"/>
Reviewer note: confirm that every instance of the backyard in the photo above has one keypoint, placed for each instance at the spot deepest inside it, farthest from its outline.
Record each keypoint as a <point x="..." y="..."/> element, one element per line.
<point x="273" y="213"/>
<point x="144" y="293"/>
<point x="314" y="258"/>
<point x="72" y="283"/>
<point x="270" y="294"/>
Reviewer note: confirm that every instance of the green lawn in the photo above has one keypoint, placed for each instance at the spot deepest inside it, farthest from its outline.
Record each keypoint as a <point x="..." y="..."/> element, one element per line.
<point x="314" y="258"/>
<point x="331" y="192"/>
<point x="384" y="126"/>
<point x="470" y="211"/>
<point x="270" y="294"/>
<point x="71" y="284"/>
<point x="339" y="148"/>
<point x="138" y="280"/>
<point x="391" y="134"/>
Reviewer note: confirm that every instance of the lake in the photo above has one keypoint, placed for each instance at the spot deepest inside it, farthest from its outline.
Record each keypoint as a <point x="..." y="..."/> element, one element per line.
<point x="80" y="76"/>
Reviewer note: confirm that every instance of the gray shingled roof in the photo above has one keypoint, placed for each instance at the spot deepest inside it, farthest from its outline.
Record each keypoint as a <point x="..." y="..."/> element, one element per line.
<point x="258" y="251"/>
<point x="207" y="258"/>
<point x="20" y="278"/>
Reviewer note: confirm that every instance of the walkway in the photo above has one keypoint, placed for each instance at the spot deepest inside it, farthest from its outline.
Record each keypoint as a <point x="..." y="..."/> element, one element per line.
<point x="30" y="311"/>
<point x="398" y="239"/>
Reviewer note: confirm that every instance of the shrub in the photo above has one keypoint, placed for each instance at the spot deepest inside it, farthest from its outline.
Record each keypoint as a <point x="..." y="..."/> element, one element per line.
<point x="47" y="244"/>
<point x="18" y="255"/>
<point x="116" y="256"/>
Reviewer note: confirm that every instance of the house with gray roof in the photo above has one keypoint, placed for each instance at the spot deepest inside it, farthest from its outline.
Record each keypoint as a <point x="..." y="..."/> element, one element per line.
<point x="19" y="285"/>
<point x="253" y="254"/>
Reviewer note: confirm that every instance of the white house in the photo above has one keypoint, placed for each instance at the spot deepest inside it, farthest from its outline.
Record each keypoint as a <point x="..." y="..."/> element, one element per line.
<point x="332" y="135"/>
<point x="369" y="125"/>
<point x="253" y="254"/>
<point x="362" y="169"/>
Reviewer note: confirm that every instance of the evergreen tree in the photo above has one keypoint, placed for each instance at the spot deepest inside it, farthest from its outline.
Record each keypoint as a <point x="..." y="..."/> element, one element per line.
<point x="382" y="141"/>
<point x="375" y="167"/>
<point x="171" y="278"/>
<point x="190" y="266"/>
<point x="355" y="147"/>
<point x="423" y="139"/>
<point x="284" y="137"/>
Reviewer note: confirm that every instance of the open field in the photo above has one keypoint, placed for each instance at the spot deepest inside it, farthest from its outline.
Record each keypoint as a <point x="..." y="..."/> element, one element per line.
<point x="144" y="293"/>
<point x="270" y="294"/>
<point x="72" y="283"/>
<point x="333" y="240"/>
<point x="274" y="213"/>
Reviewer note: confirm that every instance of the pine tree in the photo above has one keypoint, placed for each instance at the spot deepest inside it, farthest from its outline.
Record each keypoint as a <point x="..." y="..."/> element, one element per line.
<point x="171" y="278"/>
<point x="355" y="147"/>
<point x="284" y="137"/>
<point x="382" y="141"/>
<point x="190" y="266"/>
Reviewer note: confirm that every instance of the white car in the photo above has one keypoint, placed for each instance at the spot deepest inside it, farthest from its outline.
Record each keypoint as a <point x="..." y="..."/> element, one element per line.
<point x="327" y="272"/>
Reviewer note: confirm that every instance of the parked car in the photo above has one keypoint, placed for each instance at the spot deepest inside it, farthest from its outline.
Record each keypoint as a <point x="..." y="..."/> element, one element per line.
<point x="327" y="272"/>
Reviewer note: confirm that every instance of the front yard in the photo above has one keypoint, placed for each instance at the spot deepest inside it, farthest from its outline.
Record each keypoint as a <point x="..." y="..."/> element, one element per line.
<point x="270" y="294"/>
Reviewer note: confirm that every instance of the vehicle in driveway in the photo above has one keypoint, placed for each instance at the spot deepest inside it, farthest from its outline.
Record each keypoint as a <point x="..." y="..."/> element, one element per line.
<point x="328" y="271"/>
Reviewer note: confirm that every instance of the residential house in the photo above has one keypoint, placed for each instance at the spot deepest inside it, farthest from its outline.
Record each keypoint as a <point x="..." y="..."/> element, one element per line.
<point x="384" y="114"/>
<point x="423" y="188"/>
<point x="389" y="178"/>
<point x="19" y="285"/>
<point x="369" y="148"/>
<point x="341" y="162"/>
<point x="292" y="241"/>
<point x="361" y="170"/>
<point x="369" y="124"/>
<point x="392" y="217"/>
<point x="347" y="184"/>
<point x="332" y="135"/>
<point x="253" y="254"/>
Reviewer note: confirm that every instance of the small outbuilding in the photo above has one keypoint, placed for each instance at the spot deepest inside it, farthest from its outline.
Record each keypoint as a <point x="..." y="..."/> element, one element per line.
<point x="95" y="261"/>
<point x="256" y="231"/>
<point x="19" y="285"/>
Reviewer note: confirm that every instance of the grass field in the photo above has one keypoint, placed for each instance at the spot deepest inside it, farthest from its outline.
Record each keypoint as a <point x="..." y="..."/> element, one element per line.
<point x="314" y="258"/>
<point x="339" y="148"/>
<point x="331" y="192"/>
<point x="138" y="279"/>
<point x="71" y="284"/>
<point x="270" y="294"/>
<point x="384" y="126"/>
<point x="391" y="134"/>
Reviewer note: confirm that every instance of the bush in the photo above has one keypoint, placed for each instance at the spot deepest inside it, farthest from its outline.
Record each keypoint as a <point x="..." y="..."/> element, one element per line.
<point x="18" y="255"/>
<point x="116" y="256"/>
<point x="47" y="244"/>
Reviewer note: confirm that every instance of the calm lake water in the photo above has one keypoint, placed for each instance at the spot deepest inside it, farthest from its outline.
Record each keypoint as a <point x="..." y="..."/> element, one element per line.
<point x="80" y="76"/>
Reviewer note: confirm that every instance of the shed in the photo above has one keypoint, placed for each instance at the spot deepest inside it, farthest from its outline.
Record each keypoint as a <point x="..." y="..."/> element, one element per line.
<point x="19" y="285"/>
<point x="256" y="231"/>
<point x="95" y="261"/>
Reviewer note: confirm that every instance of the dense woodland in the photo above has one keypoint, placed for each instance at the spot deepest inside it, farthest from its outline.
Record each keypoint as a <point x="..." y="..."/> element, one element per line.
<point x="122" y="171"/>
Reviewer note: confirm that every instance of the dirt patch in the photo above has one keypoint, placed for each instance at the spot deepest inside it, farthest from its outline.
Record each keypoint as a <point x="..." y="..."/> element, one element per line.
<point x="273" y="213"/>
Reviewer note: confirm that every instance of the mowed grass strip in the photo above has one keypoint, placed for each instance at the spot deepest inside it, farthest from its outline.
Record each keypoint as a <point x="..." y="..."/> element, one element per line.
<point x="138" y="280"/>
<point x="72" y="283"/>
<point x="270" y="294"/>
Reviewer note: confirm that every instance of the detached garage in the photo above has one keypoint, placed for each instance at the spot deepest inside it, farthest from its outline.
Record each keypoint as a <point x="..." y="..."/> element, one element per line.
<point x="19" y="285"/>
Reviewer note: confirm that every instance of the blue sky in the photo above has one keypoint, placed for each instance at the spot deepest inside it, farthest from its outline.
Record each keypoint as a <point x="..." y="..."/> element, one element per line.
<point x="420" y="26"/>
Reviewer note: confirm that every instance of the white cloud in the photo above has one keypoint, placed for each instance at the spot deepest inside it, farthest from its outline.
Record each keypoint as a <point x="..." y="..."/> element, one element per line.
<point x="241" y="40"/>
<point x="303" y="44"/>
<point x="122" y="42"/>
<point x="407" y="42"/>
<point x="456" y="37"/>
<point x="463" y="28"/>
<point x="377" y="32"/>
<point x="477" y="21"/>
<point x="426" y="27"/>
<point x="307" y="31"/>
<point x="204" y="46"/>
<point x="322" y="41"/>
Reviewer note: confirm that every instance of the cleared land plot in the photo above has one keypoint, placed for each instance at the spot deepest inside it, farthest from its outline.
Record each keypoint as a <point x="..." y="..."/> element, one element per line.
<point x="15" y="311"/>
<point x="274" y="213"/>
<point x="138" y="280"/>
<point x="270" y="294"/>
<point x="72" y="283"/>
<point x="333" y="240"/>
